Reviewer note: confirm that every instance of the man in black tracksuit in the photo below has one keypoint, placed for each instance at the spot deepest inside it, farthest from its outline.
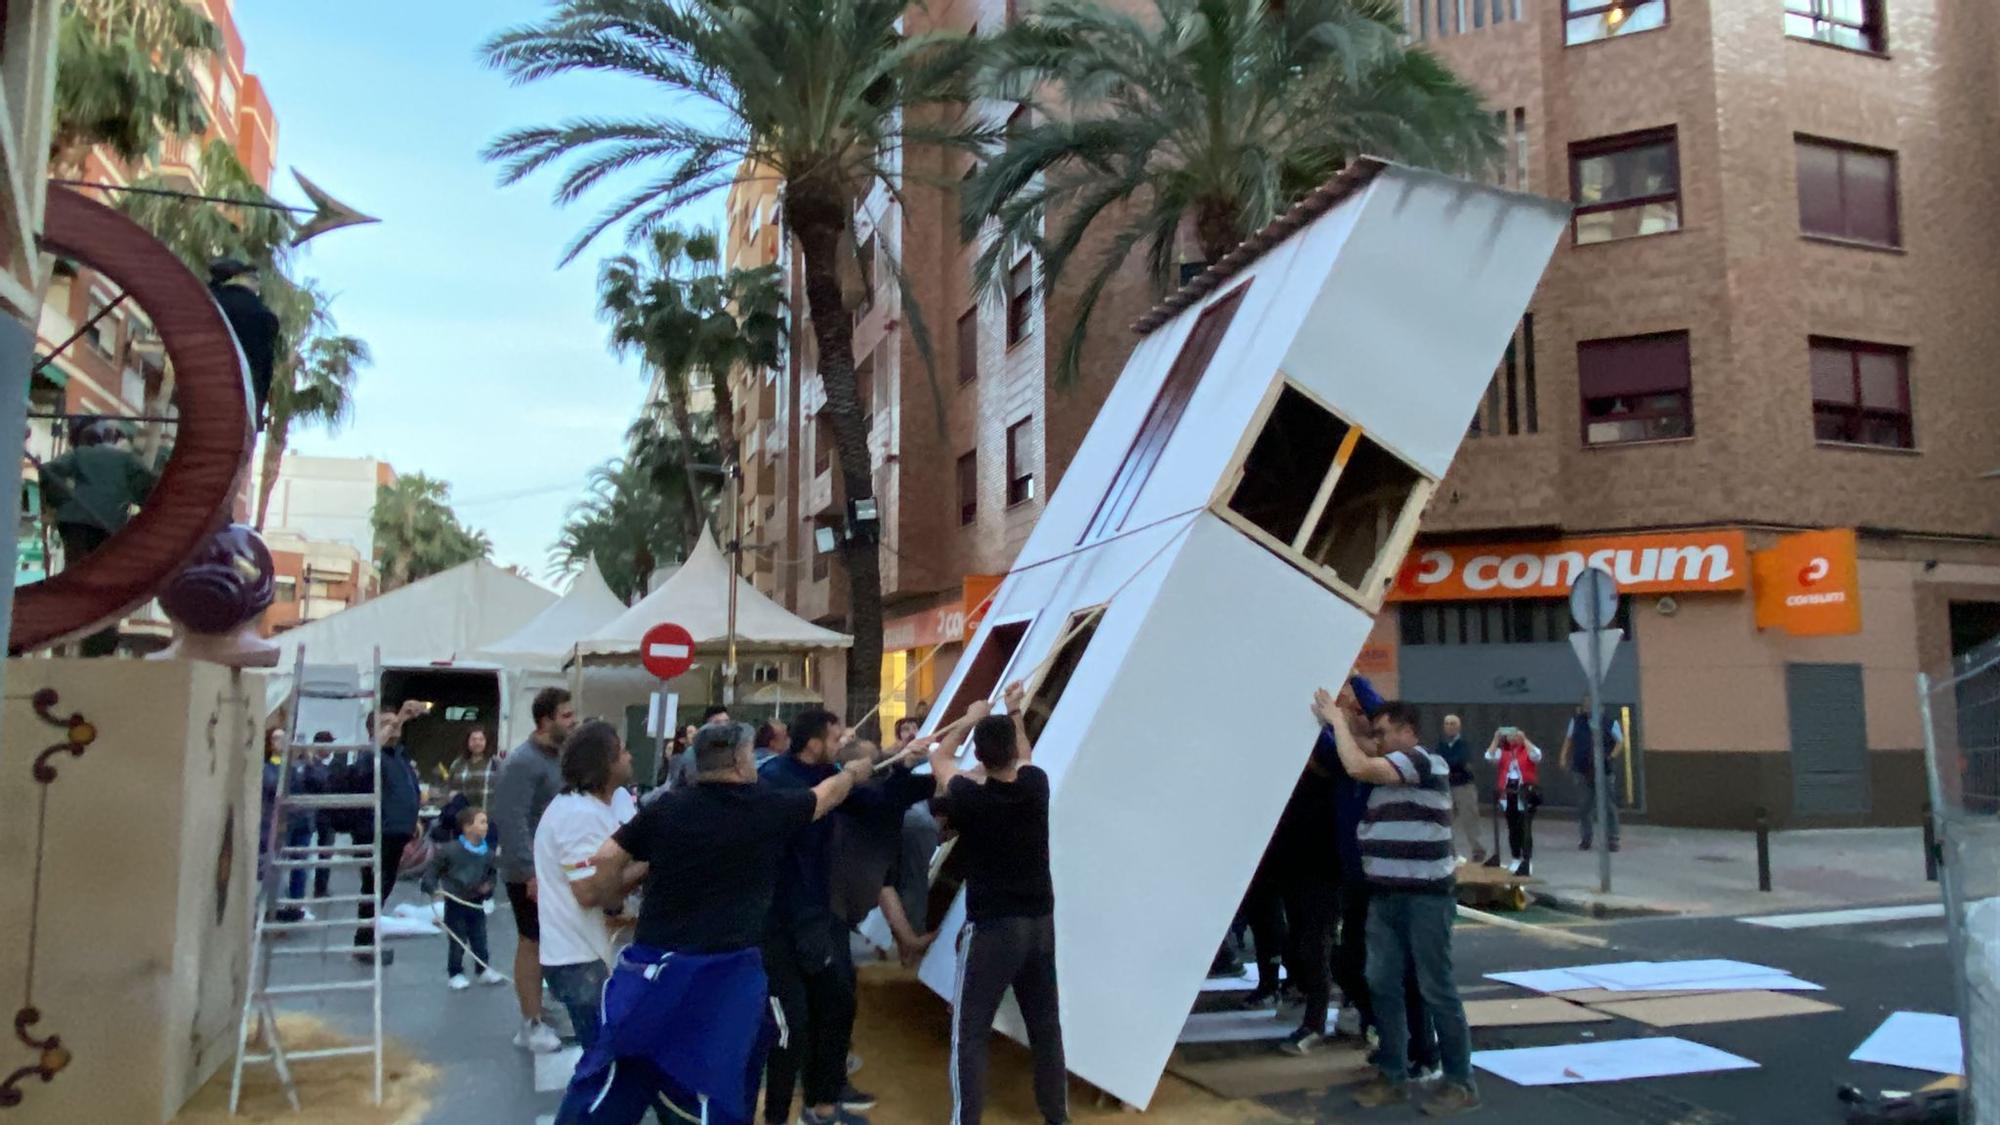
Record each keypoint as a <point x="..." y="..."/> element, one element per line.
<point x="1009" y="939"/>
<point x="401" y="800"/>
<point x="806" y="953"/>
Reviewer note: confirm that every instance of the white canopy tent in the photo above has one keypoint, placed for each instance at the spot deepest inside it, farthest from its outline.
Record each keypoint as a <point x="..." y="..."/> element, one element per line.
<point x="443" y="617"/>
<point x="534" y="654"/>
<point x="696" y="597"/>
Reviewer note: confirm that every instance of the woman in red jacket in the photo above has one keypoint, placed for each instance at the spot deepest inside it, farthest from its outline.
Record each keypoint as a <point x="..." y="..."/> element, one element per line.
<point x="1515" y="771"/>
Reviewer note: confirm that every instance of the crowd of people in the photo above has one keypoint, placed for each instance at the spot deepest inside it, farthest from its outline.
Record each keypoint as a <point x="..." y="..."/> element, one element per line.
<point x="731" y="972"/>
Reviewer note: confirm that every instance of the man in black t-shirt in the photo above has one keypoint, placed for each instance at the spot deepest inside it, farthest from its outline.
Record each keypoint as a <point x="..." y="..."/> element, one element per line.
<point x="714" y="850"/>
<point x="1009" y="939"/>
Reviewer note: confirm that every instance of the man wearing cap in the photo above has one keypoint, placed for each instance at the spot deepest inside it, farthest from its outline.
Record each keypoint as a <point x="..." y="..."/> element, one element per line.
<point x="91" y="490"/>
<point x="235" y="286"/>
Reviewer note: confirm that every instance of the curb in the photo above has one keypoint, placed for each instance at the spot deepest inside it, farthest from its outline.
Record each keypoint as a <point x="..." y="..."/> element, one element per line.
<point x="1593" y="905"/>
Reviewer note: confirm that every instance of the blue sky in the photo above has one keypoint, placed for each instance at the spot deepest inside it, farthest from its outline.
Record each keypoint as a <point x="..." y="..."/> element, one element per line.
<point x="490" y="369"/>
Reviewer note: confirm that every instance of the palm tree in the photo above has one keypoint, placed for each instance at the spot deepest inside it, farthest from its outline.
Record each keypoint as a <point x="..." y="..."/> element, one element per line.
<point x="1195" y="122"/>
<point x="626" y="525"/>
<point x="416" y="533"/>
<point x="312" y="384"/>
<point x="125" y="78"/>
<point x="669" y="457"/>
<point x="820" y="94"/>
<point x="200" y="231"/>
<point x="691" y="320"/>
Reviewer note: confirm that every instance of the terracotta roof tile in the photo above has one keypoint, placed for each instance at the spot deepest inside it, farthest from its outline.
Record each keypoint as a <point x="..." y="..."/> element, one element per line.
<point x="1315" y="203"/>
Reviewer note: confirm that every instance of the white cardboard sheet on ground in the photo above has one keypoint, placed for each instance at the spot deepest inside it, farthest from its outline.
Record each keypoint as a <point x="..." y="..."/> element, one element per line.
<point x="1613" y="1060"/>
<point x="1665" y="976"/>
<point x="1917" y="1040"/>
<point x="1236" y="1027"/>
<point x="1245" y="981"/>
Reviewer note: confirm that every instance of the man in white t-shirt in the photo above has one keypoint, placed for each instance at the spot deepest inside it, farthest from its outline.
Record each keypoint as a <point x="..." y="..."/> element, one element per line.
<point x="576" y="947"/>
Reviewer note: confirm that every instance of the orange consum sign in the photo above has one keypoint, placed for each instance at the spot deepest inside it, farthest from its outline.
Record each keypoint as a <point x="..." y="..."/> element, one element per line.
<point x="1667" y="562"/>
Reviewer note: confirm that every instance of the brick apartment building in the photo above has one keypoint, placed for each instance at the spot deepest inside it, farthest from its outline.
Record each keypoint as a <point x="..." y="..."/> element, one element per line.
<point x="1774" y="314"/>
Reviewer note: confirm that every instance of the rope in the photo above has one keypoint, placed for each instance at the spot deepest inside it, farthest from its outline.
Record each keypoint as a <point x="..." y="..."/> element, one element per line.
<point x="476" y="958"/>
<point x="1086" y="620"/>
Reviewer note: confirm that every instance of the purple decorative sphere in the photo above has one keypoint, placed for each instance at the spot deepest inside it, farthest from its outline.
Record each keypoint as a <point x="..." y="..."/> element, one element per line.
<point x="230" y="581"/>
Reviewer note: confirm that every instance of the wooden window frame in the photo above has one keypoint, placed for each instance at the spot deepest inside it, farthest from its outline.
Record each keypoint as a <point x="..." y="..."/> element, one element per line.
<point x="1079" y="625"/>
<point x="1623" y="142"/>
<point x="1197" y="353"/>
<point x="1855" y="412"/>
<point x="1388" y="561"/>
<point x="1844" y="148"/>
<point x="1020" y="300"/>
<point x="1874" y="25"/>
<point x="1025" y="492"/>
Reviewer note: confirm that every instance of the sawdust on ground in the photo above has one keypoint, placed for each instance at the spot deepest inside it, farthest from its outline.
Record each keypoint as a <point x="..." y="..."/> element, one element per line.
<point x="331" y="1091"/>
<point x="903" y="1035"/>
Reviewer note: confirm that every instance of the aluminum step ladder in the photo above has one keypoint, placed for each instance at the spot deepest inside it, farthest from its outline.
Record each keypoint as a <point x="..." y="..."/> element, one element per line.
<point x="260" y="1017"/>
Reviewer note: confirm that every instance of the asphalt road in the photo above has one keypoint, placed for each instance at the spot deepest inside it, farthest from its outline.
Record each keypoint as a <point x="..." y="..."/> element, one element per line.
<point x="1867" y="969"/>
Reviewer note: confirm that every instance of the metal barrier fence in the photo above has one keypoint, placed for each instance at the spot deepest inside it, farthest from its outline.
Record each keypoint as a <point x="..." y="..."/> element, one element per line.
<point x="1961" y="709"/>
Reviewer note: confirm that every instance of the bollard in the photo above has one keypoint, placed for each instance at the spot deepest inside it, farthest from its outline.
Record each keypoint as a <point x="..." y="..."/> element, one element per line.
<point x="1763" y="849"/>
<point x="1930" y="846"/>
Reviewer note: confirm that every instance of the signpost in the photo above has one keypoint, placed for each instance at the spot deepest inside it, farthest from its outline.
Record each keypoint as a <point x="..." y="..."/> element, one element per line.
<point x="1593" y="605"/>
<point x="667" y="651"/>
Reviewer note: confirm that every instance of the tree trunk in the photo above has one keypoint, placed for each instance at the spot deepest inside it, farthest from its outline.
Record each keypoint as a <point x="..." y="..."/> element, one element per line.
<point x="274" y="460"/>
<point x="677" y="408"/>
<point x="725" y="418"/>
<point x="1216" y="229"/>
<point x="818" y="221"/>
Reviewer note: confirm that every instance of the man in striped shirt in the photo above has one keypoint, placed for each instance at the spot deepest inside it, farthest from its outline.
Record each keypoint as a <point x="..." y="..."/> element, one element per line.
<point x="1407" y="859"/>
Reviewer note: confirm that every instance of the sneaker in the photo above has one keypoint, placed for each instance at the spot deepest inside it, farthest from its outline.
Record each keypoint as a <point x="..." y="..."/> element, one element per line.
<point x="1521" y="868"/>
<point x="458" y="982"/>
<point x="1348" y="1022"/>
<point x="289" y="914"/>
<point x="1304" y="1041"/>
<point x="1257" y="1001"/>
<point x="839" y="1116"/>
<point x="366" y="953"/>
<point x="491" y="977"/>
<point x="1583" y="847"/>
<point x="1614" y="845"/>
<point x="854" y="1101"/>
<point x="536" y="1036"/>
<point x="1450" y="1098"/>
<point x="1421" y="1073"/>
<point x="1460" y="860"/>
<point x="1379" y="1091"/>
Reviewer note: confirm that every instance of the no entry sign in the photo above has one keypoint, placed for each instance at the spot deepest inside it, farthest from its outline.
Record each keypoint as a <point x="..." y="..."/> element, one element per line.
<point x="666" y="650"/>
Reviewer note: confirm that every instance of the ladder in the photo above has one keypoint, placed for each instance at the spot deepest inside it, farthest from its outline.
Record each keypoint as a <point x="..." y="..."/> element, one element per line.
<point x="259" y="1012"/>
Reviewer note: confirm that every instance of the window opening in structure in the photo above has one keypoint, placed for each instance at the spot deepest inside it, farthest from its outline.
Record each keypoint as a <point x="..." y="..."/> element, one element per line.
<point x="1047" y="692"/>
<point x="983" y="674"/>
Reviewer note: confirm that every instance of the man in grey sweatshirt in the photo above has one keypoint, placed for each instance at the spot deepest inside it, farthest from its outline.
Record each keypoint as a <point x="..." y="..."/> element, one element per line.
<point x="529" y="779"/>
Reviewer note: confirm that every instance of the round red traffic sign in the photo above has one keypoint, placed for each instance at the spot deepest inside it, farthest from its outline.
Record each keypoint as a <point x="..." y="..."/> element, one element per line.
<point x="666" y="650"/>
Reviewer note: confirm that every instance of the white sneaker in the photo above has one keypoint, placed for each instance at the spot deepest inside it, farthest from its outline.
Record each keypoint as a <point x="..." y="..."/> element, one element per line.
<point x="491" y="977"/>
<point x="536" y="1037"/>
<point x="1348" y="1022"/>
<point x="459" y="983"/>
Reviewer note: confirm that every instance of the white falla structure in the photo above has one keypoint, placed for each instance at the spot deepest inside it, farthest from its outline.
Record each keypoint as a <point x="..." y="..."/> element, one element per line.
<point x="1218" y="549"/>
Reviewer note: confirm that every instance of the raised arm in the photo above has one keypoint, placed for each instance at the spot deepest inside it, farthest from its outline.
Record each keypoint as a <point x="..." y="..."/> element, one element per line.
<point x="828" y="794"/>
<point x="1353" y="759"/>
<point x="1534" y="751"/>
<point x="1017" y="709"/>
<point x="944" y="753"/>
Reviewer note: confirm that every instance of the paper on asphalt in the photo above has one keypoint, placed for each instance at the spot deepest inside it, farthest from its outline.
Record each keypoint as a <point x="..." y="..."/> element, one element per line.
<point x="1245" y="981"/>
<point x="1235" y="1027"/>
<point x="1614" y="1060"/>
<point x="1916" y="1040"/>
<point x="1647" y="976"/>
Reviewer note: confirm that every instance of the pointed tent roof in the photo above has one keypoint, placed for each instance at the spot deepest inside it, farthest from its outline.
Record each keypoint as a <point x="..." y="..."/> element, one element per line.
<point x="588" y="606"/>
<point x="441" y="617"/>
<point x="697" y="598"/>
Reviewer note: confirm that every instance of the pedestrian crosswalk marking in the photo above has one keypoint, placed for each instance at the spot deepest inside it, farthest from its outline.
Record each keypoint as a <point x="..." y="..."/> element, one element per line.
<point x="1847" y="917"/>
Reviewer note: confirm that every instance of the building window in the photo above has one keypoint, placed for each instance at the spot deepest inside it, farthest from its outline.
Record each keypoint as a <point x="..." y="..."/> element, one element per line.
<point x="1020" y="464"/>
<point x="1635" y="388"/>
<point x="968" y="487"/>
<point x="1510" y="407"/>
<point x="1858" y="25"/>
<point x="1495" y="621"/>
<point x="1847" y="192"/>
<point x="968" y="346"/>
<point x="992" y="660"/>
<point x="1455" y="16"/>
<point x="1626" y="186"/>
<point x="1324" y="496"/>
<point x="1587" y="21"/>
<point x="822" y="443"/>
<point x="1861" y="393"/>
<point x="1164" y="415"/>
<point x="864" y="391"/>
<point x="1020" y="292"/>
